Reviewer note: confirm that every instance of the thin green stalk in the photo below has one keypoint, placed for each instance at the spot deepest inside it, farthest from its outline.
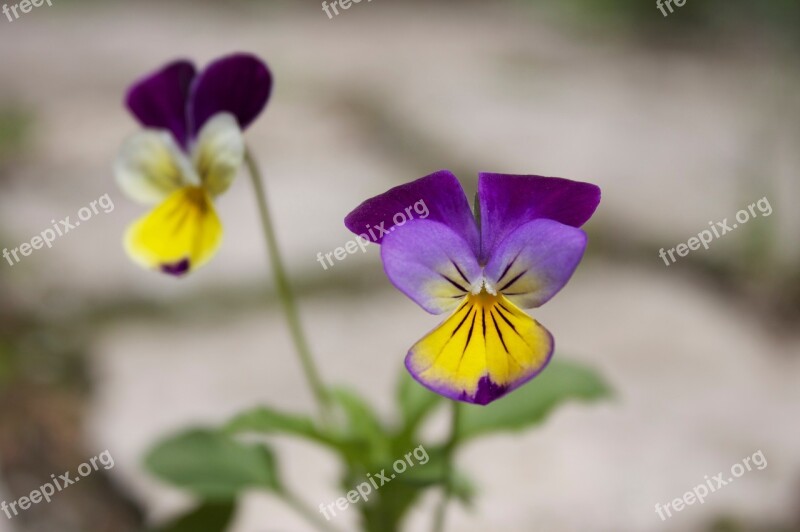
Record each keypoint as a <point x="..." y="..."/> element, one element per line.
<point x="307" y="513"/>
<point x="449" y="449"/>
<point x="285" y="293"/>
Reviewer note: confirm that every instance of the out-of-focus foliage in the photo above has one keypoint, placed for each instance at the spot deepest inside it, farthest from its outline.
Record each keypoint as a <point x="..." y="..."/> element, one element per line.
<point x="15" y="125"/>
<point x="215" y="467"/>
<point x="531" y="404"/>
<point x="212" y="466"/>
<point x="208" y="516"/>
<point x="773" y="18"/>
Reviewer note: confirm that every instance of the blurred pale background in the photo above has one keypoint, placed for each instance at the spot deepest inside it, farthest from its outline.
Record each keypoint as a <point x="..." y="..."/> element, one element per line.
<point x="681" y="120"/>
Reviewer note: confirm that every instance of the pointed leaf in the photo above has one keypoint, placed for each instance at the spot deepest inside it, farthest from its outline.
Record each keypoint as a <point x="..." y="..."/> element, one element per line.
<point x="363" y="427"/>
<point x="432" y="473"/>
<point x="213" y="465"/>
<point x="264" y="420"/>
<point x="530" y="405"/>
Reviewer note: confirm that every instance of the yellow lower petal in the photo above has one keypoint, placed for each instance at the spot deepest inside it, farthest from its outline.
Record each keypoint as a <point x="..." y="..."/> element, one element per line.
<point x="487" y="348"/>
<point x="181" y="234"/>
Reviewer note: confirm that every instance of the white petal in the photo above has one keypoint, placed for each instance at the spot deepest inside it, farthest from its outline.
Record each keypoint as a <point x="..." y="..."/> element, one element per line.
<point x="151" y="166"/>
<point x="218" y="153"/>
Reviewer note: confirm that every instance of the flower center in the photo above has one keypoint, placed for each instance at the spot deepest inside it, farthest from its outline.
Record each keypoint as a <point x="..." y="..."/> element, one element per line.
<point x="483" y="300"/>
<point x="483" y="286"/>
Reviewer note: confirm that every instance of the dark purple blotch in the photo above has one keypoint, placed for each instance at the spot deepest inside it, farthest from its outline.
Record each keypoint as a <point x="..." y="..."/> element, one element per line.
<point x="178" y="269"/>
<point x="487" y="392"/>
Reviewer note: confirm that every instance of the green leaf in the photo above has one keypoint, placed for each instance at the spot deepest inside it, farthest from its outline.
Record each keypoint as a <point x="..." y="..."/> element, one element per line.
<point x="209" y="517"/>
<point x="463" y="489"/>
<point x="432" y="473"/>
<point x="363" y="428"/>
<point x="361" y="418"/>
<point x="213" y="465"/>
<point x="530" y="405"/>
<point x="265" y="420"/>
<point x="415" y="401"/>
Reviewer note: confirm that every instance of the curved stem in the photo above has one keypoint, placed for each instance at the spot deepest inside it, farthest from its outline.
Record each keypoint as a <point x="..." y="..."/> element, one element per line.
<point x="449" y="448"/>
<point x="284" y="290"/>
<point x="307" y="513"/>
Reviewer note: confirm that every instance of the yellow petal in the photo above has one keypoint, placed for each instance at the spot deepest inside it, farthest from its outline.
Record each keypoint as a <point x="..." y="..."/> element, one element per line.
<point x="487" y="348"/>
<point x="150" y="166"/>
<point x="179" y="235"/>
<point x="219" y="153"/>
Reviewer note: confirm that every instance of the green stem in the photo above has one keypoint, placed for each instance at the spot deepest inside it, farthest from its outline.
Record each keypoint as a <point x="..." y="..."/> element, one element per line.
<point x="284" y="291"/>
<point x="307" y="513"/>
<point x="449" y="449"/>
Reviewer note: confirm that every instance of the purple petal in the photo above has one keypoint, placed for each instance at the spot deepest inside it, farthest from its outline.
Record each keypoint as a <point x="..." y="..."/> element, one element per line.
<point x="509" y="201"/>
<point x="239" y="84"/>
<point x="431" y="264"/>
<point x="534" y="262"/>
<point x="436" y="197"/>
<point x="159" y="99"/>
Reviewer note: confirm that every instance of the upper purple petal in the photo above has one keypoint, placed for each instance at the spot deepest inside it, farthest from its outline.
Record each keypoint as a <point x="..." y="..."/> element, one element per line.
<point x="239" y="84"/>
<point x="509" y="201"/>
<point x="437" y="197"/>
<point x="159" y="99"/>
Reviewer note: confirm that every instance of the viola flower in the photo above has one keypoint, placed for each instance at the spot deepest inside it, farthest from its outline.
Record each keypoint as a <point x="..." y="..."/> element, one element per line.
<point x="189" y="153"/>
<point x="522" y="250"/>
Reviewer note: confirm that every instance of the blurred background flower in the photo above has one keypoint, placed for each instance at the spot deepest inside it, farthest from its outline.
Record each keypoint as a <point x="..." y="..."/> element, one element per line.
<point x="189" y="153"/>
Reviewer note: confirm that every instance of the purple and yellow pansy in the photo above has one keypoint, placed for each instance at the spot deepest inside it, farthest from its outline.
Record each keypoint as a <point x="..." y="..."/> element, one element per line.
<point x="521" y="250"/>
<point x="188" y="154"/>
